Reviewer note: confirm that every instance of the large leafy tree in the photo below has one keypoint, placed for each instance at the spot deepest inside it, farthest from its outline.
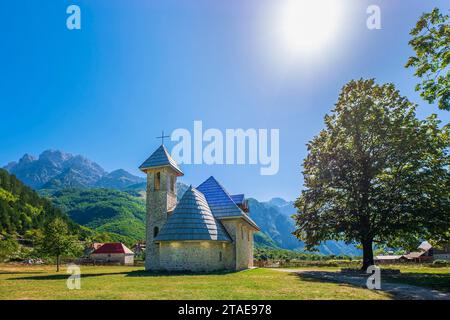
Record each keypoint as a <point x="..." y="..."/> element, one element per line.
<point x="376" y="173"/>
<point x="58" y="241"/>
<point x="431" y="43"/>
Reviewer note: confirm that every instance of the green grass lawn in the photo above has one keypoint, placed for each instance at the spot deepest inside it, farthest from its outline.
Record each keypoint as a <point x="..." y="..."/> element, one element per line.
<point x="115" y="282"/>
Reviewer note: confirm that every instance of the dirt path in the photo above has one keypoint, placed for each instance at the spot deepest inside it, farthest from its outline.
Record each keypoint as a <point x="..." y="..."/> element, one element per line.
<point x="397" y="290"/>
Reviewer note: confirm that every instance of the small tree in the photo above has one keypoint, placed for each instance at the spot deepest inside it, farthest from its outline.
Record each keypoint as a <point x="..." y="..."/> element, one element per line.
<point x="8" y="247"/>
<point x="57" y="241"/>
<point x="431" y="43"/>
<point x="375" y="173"/>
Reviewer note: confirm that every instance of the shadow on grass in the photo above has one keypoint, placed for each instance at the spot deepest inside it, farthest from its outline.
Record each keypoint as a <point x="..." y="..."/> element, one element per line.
<point x="136" y="273"/>
<point x="143" y="273"/>
<point x="20" y="272"/>
<point x="64" y="276"/>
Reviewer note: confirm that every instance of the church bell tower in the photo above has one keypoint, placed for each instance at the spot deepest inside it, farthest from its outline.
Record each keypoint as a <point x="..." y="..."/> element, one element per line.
<point x="162" y="172"/>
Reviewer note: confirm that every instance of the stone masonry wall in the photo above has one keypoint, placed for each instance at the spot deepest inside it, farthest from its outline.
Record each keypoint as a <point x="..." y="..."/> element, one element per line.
<point x="242" y="236"/>
<point x="195" y="255"/>
<point x="113" y="257"/>
<point x="158" y="203"/>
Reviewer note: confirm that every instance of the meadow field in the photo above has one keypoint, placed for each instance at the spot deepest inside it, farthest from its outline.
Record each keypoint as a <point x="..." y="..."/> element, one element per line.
<point x="121" y="282"/>
<point x="117" y="282"/>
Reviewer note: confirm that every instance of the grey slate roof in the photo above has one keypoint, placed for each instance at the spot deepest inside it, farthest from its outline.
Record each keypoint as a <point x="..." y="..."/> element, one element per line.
<point x="192" y="220"/>
<point x="220" y="202"/>
<point x="160" y="158"/>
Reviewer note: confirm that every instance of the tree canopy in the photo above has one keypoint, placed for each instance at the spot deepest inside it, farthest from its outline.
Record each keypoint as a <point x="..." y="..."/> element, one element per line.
<point x="376" y="173"/>
<point x="21" y="208"/>
<point x="431" y="43"/>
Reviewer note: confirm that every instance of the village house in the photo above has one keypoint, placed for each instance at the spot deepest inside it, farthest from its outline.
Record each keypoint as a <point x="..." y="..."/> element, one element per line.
<point x="208" y="229"/>
<point x="425" y="253"/>
<point x="389" y="259"/>
<point x="114" y="253"/>
<point x="442" y="253"/>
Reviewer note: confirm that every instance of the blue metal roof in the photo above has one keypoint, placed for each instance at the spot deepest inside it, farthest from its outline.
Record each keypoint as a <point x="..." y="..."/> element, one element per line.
<point x="192" y="220"/>
<point x="160" y="158"/>
<point x="218" y="199"/>
<point x="237" y="198"/>
<point x="220" y="202"/>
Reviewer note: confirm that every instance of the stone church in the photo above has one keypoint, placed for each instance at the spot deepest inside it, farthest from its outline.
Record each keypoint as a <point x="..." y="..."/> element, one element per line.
<point x="207" y="229"/>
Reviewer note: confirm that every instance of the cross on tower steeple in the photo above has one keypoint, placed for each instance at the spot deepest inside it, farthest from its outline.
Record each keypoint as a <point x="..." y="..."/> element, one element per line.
<point x="162" y="137"/>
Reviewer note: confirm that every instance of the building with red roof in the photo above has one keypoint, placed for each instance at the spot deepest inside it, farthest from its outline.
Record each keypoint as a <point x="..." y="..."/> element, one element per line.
<point x="114" y="252"/>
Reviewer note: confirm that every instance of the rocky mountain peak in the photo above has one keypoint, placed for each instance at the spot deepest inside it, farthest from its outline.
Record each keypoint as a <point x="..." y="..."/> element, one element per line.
<point x="55" y="156"/>
<point x="55" y="169"/>
<point x="26" y="158"/>
<point x="278" y="202"/>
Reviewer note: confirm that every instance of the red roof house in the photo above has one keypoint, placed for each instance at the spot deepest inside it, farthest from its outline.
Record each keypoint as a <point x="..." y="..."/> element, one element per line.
<point x="114" y="252"/>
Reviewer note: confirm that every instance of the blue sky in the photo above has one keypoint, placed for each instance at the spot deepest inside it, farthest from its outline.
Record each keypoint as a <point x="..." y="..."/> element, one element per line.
<point x="137" y="68"/>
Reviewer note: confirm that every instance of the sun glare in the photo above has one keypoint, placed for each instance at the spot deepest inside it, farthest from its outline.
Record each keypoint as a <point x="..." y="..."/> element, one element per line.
<point x="305" y="27"/>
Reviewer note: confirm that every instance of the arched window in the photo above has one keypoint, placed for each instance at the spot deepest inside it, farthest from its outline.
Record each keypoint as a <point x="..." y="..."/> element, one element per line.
<point x="155" y="232"/>
<point x="157" y="181"/>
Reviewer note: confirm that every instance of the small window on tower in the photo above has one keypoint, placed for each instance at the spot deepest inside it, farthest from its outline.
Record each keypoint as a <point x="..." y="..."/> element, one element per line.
<point x="220" y="255"/>
<point x="155" y="232"/>
<point x="157" y="181"/>
<point x="172" y="183"/>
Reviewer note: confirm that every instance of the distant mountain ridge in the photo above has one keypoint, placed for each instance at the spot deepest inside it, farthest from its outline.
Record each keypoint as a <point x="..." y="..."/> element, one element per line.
<point x="118" y="179"/>
<point x="275" y="221"/>
<point x="285" y="207"/>
<point x="55" y="169"/>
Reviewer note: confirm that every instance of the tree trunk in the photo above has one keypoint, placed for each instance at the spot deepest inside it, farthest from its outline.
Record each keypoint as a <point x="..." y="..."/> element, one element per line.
<point x="57" y="263"/>
<point x="367" y="254"/>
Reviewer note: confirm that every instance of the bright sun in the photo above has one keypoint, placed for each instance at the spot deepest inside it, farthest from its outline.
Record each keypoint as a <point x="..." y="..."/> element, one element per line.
<point x="305" y="27"/>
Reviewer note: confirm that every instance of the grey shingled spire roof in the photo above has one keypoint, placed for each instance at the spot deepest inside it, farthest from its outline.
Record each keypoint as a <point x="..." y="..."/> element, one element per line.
<point x="192" y="220"/>
<point x="160" y="158"/>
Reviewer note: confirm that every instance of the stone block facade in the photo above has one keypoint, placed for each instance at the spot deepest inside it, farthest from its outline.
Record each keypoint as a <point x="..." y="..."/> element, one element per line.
<point x="121" y="258"/>
<point x="197" y="256"/>
<point x="159" y="202"/>
<point x="208" y="255"/>
<point x="242" y="235"/>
